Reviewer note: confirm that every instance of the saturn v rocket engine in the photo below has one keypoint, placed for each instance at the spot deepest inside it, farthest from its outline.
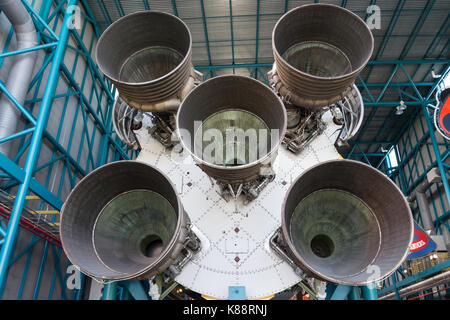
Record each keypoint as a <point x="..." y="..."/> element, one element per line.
<point x="148" y="57"/>
<point x="319" y="50"/>
<point x="245" y="121"/>
<point x="345" y="222"/>
<point x="125" y="221"/>
<point x="341" y="221"/>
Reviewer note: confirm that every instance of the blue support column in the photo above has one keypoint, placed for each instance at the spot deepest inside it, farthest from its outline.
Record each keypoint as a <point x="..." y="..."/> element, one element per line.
<point x="331" y="287"/>
<point x="354" y="294"/>
<point x="110" y="291"/>
<point x="397" y="294"/>
<point x="369" y="292"/>
<point x="341" y="292"/>
<point x="136" y="289"/>
<point x="411" y="279"/>
<point x="33" y="154"/>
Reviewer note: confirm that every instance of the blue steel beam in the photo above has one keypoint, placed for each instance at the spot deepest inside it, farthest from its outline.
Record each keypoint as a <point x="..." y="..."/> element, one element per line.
<point x="414" y="278"/>
<point x="372" y="2"/>
<point x="257" y="34"/>
<point x="25" y="270"/>
<point x="440" y="163"/>
<point x="341" y="292"/>
<point x="42" y="264"/>
<point x="231" y="32"/>
<point x="419" y="95"/>
<point x="7" y="43"/>
<point x="388" y="33"/>
<point x="19" y="174"/>
<point x="384" y="127"/>
<point x="369" y="292"/>
<point x="435" y="42"/>
<point x="146" y="5"/>
<point x="387" y="83"/>
<point x="354" y="294"/>
<point x="17" y="135"/>
<point x="17" y="104"/>
<point x="110" y="291"/>
<point x="58" y="147"/>
<point x="137" y="290"/>
<point x="44" y="255"/>
<point x="55" y="12"/>
<point x="57" y="273"/>
<point x="68" y="160"/>
<point x="370" y="63"/>
<point x="418" y="102"/>
<point x="395" y="84"/>
<point x="205" y="29"/>
<point x="442" y="33"/>
<point x="40" y="19"/>
<point x="86" y="102"/>
<point x="90" y="14"/>
<point x="33" y="154"/>
<point x="174" y="7"/>
<point x="104" y="10"/>
<point x="40" y="47"/>
<point x="418" y="26"/>
<point x="432" y="48"/>
<point x="279" y="14"/>
<point x="375" y="104"/>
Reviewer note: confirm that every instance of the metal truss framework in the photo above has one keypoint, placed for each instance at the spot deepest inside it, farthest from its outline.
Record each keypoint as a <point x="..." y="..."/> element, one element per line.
<point x="32" y="137"/>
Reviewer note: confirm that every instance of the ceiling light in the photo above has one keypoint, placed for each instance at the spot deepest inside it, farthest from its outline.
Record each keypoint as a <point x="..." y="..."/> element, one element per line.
<point x="401" y="108"/>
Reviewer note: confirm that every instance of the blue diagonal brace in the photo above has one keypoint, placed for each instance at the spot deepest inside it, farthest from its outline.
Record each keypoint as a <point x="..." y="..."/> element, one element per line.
<point x="17" y="173"/>
<point x="137" y="290"/>
<point x="33" y="155"/>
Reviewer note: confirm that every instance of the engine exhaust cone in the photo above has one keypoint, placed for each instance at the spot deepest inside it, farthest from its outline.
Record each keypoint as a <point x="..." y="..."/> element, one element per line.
<point x="147" y="55"/>
<point x="123" y="221"/>
<point x="232" y="126"/>
<point x="319" y="50"/>
<point x="345" y="222"/>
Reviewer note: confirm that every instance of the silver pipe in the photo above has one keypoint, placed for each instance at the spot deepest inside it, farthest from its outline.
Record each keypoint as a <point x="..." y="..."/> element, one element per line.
<point x="422" y="285"/>
<point x="283" y="255"/>
<point x="424" y="208"/>
<point x="425" y="212"/>
<point x="21" y="71"/>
